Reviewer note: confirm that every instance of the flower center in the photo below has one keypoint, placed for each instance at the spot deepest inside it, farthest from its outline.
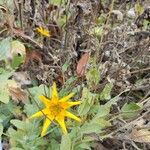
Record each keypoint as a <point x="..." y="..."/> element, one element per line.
<point x="55" y="109"/>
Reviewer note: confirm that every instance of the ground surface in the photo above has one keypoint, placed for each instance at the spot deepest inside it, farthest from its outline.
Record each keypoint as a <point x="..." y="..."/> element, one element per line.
<point x="98" y="49"/>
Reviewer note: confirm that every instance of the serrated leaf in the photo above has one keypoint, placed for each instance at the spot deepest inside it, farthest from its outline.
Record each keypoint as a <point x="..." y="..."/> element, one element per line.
<point x="105" y="94"/>
<point x="65" y="143"/>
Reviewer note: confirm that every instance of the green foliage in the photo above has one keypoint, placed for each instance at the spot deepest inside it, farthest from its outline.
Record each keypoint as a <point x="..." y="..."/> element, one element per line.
<point x="57" y="2"/>
<point x="139" y="8"/>
<point x="93" y="76"/>
<point x="5" y="83"/>
<point x="146" y="24"/>
<point x="1" y="129"/>
<point x="65" y="143"/>
<point x="88" y="99"/>
<point x="18" y="53"/>
<point x="105" y="94"/>
<point x="5" y="47"/>
<point x="12" y="51"/>
<point x="131" y="110"/>
<point x="26" y="136"/>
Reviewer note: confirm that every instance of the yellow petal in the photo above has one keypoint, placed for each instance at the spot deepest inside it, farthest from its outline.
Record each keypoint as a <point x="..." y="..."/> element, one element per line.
<point x="61" y="122"/>
<point x="55" y="96"/>
<point x="44" y="100"/>
<point x="67" y="97"/>
<point x="39" y="29"/>
<point x="45" y="126"/>
<point x="66" y="105"/>
<point x="38" y="114"/>
<point x="43" y="31"/>
<point x="70" y="115"/>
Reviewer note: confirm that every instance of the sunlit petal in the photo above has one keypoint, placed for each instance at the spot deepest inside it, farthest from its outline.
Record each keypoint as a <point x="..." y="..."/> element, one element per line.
<point x="67" y="97"/>
<point x="44" y="100"/>
<point x="54" y="92"/>
<point x="66" y="105"/>
<point x="56" y="109"/>
<point x="38" y="114"/>
<point x="43" y="31"/>
<point x="70" y="115"/>
<point x="61" y="122"/>
<point x="46" y="124"/>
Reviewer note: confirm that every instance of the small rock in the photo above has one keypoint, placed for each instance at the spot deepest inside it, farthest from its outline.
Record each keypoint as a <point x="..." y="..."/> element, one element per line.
<point x="131" y="13"/>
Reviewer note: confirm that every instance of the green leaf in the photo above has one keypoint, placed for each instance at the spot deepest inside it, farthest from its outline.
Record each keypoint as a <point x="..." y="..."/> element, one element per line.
<point x="53" y="144"/>
<point x="4" y="91"/>
<point x="17" y="60"/>
<point x="19" y="124"/>
<point x="114" y="100"/>
<point x="93" y="76"/>
<point x="101" y="122"/>
<point x="97" y="31"/>
<point x="57" y="2"/>
<point x="16" y="148"/>
<point x="102" y="111"/>
<point x="65" y="143"/>
<point x="139" y="8"/>
<point x="131" y="110"/>
<point x="17" y="48"/>
<point x="87" y="99"/>
<point x="4" y="96"/>
<point x="85" y="146"/>
<point x="146" y="24"/>
<point x="65" y="66"/>
<point x="5" y="47"/>
<point x="39" y="90"/>
<point x="105" y="94"/>
<point x="1" y="129"/>
<point x="5" y="83"/>
<point x="90" y="128"/>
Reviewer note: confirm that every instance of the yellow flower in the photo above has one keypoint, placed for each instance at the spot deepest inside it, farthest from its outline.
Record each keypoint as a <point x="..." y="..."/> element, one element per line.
<point x="43" y="31"/>
<point x="56" y="110"/>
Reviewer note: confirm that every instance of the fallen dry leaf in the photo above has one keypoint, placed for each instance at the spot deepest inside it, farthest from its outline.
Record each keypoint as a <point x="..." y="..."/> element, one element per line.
<point x="141" y="136"/>
<point x="32" y="56"/>
<point x="18" y="94"/>
<point x="82" y="63"/>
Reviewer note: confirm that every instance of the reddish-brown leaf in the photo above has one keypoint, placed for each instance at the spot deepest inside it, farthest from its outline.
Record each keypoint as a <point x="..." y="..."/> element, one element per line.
<point x="32" y="56"/>
<point x="18" y="94"/>
<point x="82" y="63"/>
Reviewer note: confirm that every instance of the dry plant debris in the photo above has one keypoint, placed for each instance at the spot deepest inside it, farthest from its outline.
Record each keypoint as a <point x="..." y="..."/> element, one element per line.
<point x="98" y="49"/>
